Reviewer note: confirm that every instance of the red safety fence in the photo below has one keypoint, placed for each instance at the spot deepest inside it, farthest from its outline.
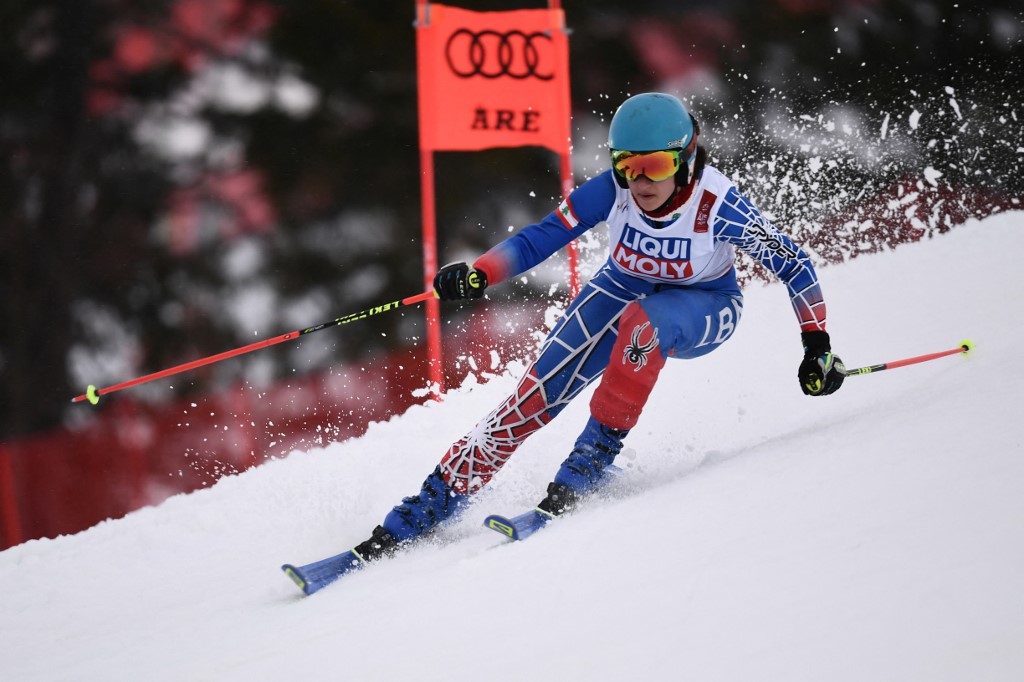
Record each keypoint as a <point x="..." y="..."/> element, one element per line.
<point x="136" y="454"/>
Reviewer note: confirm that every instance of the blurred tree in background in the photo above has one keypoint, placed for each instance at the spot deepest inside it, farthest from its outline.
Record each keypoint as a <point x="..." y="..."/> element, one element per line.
<point x="181" y="177"/>
<point x="77" y="200"/>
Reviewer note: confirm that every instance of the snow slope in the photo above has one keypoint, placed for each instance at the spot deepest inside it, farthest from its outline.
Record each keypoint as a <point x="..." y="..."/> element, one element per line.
<point x="758" y="534"/>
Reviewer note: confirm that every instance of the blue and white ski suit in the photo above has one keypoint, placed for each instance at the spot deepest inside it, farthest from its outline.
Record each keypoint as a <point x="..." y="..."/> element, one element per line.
<point x="669" y="286"/>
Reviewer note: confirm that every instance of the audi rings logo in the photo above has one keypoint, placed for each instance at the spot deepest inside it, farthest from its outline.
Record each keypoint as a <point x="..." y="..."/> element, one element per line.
<point x="491" y="54"/>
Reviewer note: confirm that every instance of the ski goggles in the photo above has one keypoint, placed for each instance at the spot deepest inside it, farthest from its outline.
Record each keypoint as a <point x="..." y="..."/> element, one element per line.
<point x="656" y="166"/>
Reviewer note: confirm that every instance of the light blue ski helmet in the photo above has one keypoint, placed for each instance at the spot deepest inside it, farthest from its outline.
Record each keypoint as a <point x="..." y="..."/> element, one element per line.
<point x="650" y="122"/>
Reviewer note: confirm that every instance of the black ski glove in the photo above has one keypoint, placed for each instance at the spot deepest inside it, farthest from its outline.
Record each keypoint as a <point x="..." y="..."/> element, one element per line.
<point x="821" y="372"/>
<point x="457" y="281"/>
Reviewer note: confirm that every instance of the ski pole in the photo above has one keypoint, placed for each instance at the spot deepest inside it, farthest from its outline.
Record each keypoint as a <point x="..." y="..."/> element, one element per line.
<point x="93" y="394"/>
<point x="964" y="348"/>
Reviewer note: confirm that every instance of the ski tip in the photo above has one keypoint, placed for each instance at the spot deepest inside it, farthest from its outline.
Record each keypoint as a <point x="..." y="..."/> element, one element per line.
<point x="297" y="578"/>
<point x="500" y="524"/>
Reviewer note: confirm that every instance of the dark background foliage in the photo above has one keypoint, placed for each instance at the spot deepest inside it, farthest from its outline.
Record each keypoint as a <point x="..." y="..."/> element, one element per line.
<point x="120" y="256"/>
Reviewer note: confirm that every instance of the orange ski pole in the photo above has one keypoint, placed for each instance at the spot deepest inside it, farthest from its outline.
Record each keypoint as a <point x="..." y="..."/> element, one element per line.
<point x="93" y="394"/>
<point x="964" y="348"/>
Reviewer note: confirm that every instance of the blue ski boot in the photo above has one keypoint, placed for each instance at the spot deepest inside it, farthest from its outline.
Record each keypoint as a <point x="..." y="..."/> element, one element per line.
<point x="421" y="513"/>
<point x="415" y="516"/>
<point x="582" y="471"/>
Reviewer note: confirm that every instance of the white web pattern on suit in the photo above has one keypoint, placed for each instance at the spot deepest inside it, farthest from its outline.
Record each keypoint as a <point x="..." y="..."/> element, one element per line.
<point x="740" y="224"/>
<point x="471" y="461"/>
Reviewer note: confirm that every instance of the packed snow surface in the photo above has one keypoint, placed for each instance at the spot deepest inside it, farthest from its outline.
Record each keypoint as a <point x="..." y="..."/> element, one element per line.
<point x="757" y="534"/>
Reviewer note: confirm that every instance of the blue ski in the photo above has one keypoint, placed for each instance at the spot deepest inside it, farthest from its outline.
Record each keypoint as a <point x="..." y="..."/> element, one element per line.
<point x="319" y="574"/>
<point x="526" y="524"/>
<point x="518" y="527"/>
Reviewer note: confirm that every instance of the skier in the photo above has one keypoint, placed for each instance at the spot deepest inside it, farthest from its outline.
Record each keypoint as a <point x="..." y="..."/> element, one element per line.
<point x="667" y="290"/>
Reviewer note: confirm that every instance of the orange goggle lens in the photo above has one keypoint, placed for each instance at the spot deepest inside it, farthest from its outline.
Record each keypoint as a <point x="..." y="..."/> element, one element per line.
<point x="657" y="166"/>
